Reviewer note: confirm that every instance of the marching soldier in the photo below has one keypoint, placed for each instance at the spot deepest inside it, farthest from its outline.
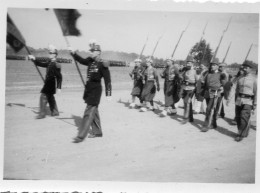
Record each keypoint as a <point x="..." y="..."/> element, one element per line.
<point x="149" y="90"/>
<point x="169" y="74"/>
<point x="199" y="108"/>
<point x="213" y="85"/>
<point x="189" y="82"/>
<point x="53" y="80"/>
<point x="226" y="89"/>
<point x="97" y="69"/>
<point x="234" y="82"/>
<point x="246" y="100"/>
<point x="136" y="75"/>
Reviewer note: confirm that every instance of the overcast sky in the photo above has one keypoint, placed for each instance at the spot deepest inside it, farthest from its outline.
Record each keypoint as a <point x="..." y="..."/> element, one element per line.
<point x="126" y="31"/>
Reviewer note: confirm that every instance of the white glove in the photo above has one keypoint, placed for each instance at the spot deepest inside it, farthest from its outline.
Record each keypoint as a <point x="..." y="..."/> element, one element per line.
<point x="31" y="57"/>
<point x="58" y="91"/>
<point x="72" y="50"/>
<point x="109" y="98"/>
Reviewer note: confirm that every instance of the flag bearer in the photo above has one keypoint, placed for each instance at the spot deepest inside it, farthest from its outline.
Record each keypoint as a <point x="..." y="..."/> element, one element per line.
<point x="97" y="69"/>
<point x="53" y="80"/>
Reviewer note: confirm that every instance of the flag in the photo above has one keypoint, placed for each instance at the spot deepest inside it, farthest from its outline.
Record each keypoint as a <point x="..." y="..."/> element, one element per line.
<point x="67" y="19"/>
<point x="14" y="38"/>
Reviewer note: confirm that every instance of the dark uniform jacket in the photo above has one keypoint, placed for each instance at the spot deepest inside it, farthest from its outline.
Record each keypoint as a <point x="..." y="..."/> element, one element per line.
<point x="96" y="70"/>
<point x="53" y="78"/>
<point x="213" y="82"/>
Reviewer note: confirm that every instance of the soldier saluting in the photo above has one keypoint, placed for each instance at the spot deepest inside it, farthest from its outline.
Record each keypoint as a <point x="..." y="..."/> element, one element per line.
<point x="97" y="69"/>
<point x="246" y="100"/>
<point x="53" y="80"/>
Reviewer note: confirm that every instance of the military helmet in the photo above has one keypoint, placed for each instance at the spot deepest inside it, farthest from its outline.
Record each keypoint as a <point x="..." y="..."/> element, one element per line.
<point x="214" y="61"/>
<point x="248" y="64"/>
<point x="190" y="59"/>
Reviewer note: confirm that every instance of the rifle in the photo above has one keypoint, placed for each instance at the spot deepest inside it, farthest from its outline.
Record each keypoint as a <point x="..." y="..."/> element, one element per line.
<point x="143" y="47"/>
<point x="224" y="59"/>
<point x="215" y="53"/>
<point x="221" y="101"/>
<point x="180" y="39"/>
<point x="235" y="79"/>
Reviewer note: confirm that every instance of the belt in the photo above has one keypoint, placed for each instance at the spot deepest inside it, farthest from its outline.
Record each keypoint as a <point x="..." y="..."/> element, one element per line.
<point x="189" y="84"/>
<point x="245" y="96"/>
<point x="94" y="81"/>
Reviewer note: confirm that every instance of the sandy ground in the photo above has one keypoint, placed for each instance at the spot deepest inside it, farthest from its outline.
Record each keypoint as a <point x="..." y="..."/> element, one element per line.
<point x="136" y="146"/>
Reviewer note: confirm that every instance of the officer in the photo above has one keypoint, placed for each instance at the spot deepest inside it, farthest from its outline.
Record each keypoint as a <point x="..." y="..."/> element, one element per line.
<point x="189" y="82"/>
<point x="213" y="86"/>
<point x="168" y="74"/>
<point x="97" y="69"/>
<point x="246" y="100"/>
<point x="149" y="90"/>
<point x="53" y="80"/>
<point x="137" y="76"/>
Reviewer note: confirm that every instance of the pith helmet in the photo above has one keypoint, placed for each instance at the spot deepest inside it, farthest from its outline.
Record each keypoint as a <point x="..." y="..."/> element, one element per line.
<point x="190" y="59"/>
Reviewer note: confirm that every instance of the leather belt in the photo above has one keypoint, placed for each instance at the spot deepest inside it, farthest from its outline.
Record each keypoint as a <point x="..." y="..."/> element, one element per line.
<point x="245" y="96"/>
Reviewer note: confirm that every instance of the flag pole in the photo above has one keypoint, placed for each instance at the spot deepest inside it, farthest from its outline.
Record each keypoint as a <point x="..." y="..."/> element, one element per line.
<point x="34" y="63"/>
<point x="77" y="66"/>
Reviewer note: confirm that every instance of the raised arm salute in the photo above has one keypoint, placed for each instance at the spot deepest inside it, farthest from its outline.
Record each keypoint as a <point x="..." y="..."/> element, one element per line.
<point x="97" y="69"/>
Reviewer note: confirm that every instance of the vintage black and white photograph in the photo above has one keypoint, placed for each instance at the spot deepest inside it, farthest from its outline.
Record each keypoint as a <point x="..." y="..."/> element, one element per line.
<point x="129" y="95"/>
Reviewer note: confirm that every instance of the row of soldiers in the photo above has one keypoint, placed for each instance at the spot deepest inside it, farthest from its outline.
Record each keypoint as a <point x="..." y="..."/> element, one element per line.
<point x="212" y="84"/>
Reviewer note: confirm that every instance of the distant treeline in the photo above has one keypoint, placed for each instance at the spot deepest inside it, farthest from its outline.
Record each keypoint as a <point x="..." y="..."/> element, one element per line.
<point x="16" y="57"/>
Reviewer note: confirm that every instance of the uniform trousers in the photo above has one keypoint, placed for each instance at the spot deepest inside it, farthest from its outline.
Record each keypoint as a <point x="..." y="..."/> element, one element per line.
<point x="212" y="103"/>
<point x="187" y="100"/>
<point x="90" y="119"/>
<point x="48" y="98"/>
<point x="221" y="105"/>
<point x="243" y="114"/>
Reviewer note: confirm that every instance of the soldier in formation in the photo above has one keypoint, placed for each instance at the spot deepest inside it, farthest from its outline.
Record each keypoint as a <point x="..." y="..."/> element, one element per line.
<point x="246" y="100"/>
<point x="189" y="82"/>
<point x="213" y="87"/>
<point x="151" y="78"/>
<point x="169" y="74"/>
<point x="137" y="76"/>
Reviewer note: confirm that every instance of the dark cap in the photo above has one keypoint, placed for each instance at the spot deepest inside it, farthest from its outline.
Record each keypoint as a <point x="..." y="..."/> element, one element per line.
<point x="190" y="59"/>
<point x="95" y="48"/>
<point x="215" y="61"/>
<point x="248" y="64"/>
